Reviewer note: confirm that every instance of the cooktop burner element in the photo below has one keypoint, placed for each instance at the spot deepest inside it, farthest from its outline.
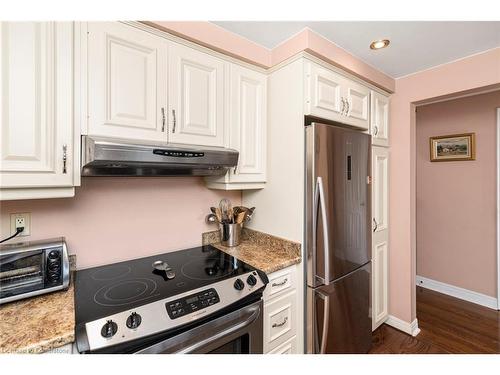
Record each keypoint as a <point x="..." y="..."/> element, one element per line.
<point x="111" y="272"/>
<point x="130" y="301"/>
<point x="124" y="292"/>
<point x="213" y="269"/>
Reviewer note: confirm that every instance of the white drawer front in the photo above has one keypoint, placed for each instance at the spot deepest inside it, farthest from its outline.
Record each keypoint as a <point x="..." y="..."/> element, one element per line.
<point x="279" y="320"/>
<point x="289" y="347"/>
<point x="280" y="282"/>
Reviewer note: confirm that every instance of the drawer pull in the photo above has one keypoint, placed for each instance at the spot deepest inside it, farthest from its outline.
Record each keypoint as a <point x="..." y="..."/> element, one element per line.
<point x="279" y="284"/>
<point x="276" y="325"/>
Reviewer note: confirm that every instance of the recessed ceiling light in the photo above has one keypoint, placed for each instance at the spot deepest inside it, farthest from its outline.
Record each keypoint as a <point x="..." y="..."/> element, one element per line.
<point x="379" y="44"/>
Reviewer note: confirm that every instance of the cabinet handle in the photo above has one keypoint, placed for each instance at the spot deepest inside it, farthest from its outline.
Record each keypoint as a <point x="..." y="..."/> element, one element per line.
<point x="375" y="130"/>
<point x="343" y="106"/>
<point x="348" y="107"/>
<point x="276" y="325"/>
<point x="174" y="122"/>
<point x="64" y="158"/>
<point x="162" y="119"/>
<point x="279" y="284"/>
<point x="376" y="225"/>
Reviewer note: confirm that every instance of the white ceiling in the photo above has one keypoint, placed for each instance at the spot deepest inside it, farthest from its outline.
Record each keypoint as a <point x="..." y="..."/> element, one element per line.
<point x="415" y="45"/>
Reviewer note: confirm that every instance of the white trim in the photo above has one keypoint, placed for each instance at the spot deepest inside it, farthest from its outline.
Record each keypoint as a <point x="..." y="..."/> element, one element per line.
<point x="409" y="328"/>
<point x="455" y="291"/>
<point x="498" y="208"/>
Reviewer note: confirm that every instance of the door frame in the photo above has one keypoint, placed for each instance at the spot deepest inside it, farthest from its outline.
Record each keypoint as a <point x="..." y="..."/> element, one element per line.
<point x="498" y="208"/>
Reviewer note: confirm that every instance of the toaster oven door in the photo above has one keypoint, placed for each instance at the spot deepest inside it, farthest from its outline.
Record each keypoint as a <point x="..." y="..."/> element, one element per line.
<point x="21" y="273"/>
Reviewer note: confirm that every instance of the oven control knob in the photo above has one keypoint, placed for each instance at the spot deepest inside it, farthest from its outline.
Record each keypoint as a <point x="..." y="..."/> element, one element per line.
<point x="109" y="329"/>
<point x="134" y="320"/>
<point x="251" y="280"/>
<point x="238" y="284"/>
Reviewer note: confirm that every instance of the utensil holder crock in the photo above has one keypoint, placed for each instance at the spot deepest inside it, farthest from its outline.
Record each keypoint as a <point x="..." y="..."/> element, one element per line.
<point x="230" y="234"/>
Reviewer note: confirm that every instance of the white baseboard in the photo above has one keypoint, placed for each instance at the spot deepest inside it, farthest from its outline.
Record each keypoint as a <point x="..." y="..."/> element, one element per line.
<point x="409" y="328"/>
<point x="455" y="291"/>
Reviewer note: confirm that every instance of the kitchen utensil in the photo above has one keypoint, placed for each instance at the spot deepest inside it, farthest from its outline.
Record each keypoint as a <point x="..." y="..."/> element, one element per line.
<point x="163" y="268"/>
<point x="225" y="207"/>
<point x="218" y="215"/>
<point x="240" y="217"/>
<point x="213" y="209"/>
<point x="211" y="218"/>
<point x="249" y="214"/>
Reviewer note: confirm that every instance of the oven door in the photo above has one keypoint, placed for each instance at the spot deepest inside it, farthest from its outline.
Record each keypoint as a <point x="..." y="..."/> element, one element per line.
<point x="238" y="332"/>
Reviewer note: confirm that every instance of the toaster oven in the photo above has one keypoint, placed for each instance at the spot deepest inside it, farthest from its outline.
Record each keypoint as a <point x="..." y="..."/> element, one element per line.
<point x="31" y="268"/>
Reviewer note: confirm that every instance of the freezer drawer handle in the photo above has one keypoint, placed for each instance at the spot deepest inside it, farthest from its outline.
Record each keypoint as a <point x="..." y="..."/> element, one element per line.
<point x="280" y="284"/>
<point x="319" y="201"/>
<point x="376" y="225"/>
<point x="276" y="325"/>
<point x="326" y="321"/>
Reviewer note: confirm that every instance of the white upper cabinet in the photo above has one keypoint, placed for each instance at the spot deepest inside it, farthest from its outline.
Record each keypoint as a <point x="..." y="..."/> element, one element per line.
<point x="380" y="235"/>
<point x="36" y="110"/>
<point x="127" y="82"/>
<point x="196" y="97"/>
<point x="324" y="93"/>
<point x="247" y="130"/>
<point x="332" y="96"/>
<point x="379" y="119"/>
<point x="357" y="101"/>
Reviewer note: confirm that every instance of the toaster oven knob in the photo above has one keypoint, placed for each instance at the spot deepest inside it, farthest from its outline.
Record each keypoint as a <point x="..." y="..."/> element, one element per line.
<point x="54" y="254"/>
<point x="109" y="329"/>
<point x="134" y="320"/>
<point x="239" y="285"/>
<point x="251" y="280"/>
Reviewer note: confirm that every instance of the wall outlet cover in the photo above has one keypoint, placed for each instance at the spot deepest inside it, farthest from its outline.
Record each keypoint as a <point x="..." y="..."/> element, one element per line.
<point x="20" y="219"/>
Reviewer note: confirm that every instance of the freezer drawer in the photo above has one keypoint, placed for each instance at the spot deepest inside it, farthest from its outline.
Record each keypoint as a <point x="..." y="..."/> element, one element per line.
<point x="341" y="321"/>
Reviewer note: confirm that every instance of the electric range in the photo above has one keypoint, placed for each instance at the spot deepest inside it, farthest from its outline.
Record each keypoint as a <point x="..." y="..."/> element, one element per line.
<point x="131" y="306"/>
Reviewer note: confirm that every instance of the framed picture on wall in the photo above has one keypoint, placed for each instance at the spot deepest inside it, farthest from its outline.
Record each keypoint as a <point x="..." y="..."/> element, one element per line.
<point x="455" y="147"/>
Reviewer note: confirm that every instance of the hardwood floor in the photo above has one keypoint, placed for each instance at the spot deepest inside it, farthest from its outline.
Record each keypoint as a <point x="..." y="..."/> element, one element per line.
<point x="447" y="324"/>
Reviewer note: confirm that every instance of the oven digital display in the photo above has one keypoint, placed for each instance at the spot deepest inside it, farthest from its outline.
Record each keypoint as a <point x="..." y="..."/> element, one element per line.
<point x="192" y="303"/>
<point x="192" y="299"/>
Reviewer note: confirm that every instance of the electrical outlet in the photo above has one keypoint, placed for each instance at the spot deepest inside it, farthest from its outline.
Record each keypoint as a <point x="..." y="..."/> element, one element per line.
<point x="20" y="220"/>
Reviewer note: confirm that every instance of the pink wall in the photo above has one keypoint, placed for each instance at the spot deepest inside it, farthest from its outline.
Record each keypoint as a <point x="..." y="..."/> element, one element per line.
<point x="224" y="41"/>
<point x="113" y="219"/>
<point x="472" y="73"/>
<point x="456" y="201"/>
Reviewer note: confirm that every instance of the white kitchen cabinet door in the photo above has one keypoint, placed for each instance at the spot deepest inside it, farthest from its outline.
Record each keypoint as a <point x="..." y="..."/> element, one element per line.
<point x="380" y="235"/>
<point x="127" y="73"/>
<point x="36" y="109"/>
<point x="248" y="124"/>
<point x="357" y="99"/>
<point x="196" y="97"/>
<point x="379" y="119"/>
<point x="247" y="130"/>
<point x="324" y="93"/>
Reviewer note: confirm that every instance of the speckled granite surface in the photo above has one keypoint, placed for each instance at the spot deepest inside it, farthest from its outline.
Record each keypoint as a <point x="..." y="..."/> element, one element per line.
<point x="260" y="250"/>
<point x="38" y="324"/>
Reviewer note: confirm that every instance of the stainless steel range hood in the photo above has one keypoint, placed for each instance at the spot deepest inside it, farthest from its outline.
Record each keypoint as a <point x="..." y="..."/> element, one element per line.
<point x="119" y="157"/>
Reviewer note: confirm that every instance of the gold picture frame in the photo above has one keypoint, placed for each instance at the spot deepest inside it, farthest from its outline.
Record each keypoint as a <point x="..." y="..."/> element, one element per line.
<point x="454" y="147"/>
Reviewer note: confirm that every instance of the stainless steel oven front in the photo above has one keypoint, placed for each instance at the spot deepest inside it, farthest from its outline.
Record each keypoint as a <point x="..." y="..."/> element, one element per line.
<point x="238" y="332"/>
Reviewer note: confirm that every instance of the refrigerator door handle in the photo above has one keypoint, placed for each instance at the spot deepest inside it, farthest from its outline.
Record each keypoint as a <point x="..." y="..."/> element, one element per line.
<point x="319" y="202"/>
<point x="326" y="321"/>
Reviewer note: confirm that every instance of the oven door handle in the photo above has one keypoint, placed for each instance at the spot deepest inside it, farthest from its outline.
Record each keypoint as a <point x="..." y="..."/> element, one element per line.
<point x="250" y="315"/>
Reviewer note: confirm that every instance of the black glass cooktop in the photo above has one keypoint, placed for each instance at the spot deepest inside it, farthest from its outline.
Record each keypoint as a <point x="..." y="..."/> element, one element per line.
<point x="106" y="290"/>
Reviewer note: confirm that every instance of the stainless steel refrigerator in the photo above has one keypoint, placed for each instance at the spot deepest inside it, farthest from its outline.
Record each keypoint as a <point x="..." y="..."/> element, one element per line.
<point x="338" y="240"/>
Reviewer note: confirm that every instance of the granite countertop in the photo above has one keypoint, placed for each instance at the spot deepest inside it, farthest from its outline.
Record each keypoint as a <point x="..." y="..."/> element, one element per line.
<point x="38" y="324"/>
<point x="262" y="251"/>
